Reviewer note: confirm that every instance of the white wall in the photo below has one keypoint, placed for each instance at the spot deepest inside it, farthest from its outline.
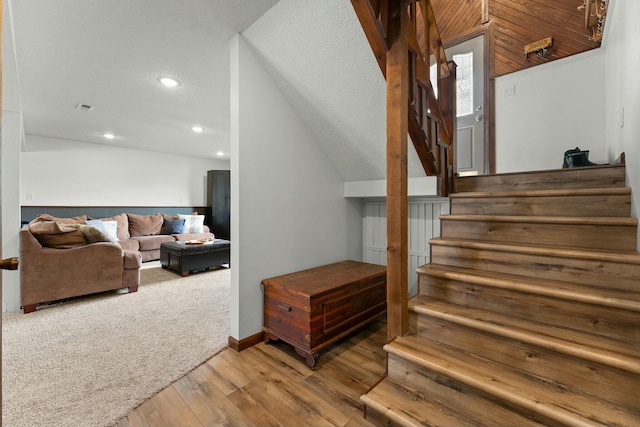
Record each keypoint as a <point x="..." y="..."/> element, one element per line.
<point x="12" y="134"/>
<point x="556" y="107"/>
<point x="288" y="212"/>
<point x="57" y="172"/>
<point x="12" y="140"/>
<point x="622" y="88"/>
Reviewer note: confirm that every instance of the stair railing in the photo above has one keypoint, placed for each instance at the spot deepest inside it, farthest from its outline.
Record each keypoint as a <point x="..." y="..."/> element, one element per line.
<point x="431" y="117"/>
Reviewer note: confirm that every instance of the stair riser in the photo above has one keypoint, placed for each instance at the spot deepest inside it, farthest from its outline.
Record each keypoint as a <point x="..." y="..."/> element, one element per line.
<point x="552" y="366"/>
<point x="465" y="400"/>
<point x="600" y="237"/>
<point x="600" y="274"/>
<point x="580" y="206"/>
<point x="609" y="177"/>
<point x="608" y="322"/>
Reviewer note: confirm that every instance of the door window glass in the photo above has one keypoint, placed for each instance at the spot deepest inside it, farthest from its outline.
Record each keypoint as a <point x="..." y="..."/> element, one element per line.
<point x="464" y="80"/>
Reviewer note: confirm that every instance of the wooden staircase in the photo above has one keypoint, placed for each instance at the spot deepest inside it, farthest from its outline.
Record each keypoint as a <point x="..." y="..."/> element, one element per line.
<point x="529" y="313"/>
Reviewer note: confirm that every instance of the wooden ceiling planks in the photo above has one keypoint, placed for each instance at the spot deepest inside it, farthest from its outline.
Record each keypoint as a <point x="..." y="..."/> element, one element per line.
<point x="457" y="17"/>
<point x="537" y="21"/>
<point x="516" y="23"/>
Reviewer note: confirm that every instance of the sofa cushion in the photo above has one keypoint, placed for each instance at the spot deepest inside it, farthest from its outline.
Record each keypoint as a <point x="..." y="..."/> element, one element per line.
<point x="129" y="244"/>
<point x="145" y="225"/>
<point x="63" y="240"/>
<point x="55" y="232"/>
<point x="123" y="225"/>
<point x="149" y="243"/>
<point x="172" y="226"/>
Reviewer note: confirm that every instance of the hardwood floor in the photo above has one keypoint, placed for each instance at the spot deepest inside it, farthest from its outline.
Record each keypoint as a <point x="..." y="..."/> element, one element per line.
<point x="270" y="385"/>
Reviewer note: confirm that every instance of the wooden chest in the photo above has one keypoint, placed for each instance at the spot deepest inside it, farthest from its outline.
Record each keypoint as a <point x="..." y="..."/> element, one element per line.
<point x="313" y="308"/>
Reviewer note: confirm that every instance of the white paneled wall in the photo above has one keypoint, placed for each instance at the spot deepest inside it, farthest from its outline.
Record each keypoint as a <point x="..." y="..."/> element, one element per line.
<point x="375" y="232"/>
<point x="424" y="224"/>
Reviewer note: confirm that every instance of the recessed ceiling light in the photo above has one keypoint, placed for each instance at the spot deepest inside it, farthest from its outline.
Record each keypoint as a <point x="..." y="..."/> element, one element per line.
<point x="197" y="129"/>
<point x="108" y="135"/>
<point x="168" y="81"/>
<point x="220" y="153"/>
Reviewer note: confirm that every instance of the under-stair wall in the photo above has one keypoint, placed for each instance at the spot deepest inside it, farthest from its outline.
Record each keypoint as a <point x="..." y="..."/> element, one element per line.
<point x="529" y="311"/>
<point x="423" y="225"/>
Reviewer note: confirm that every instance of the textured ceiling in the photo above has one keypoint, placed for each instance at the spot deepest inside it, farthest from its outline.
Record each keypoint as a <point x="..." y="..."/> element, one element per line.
<point x="109" y="54"/>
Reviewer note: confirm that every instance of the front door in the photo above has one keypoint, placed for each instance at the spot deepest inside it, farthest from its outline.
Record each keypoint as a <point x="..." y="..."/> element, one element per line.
<point x="469" y="59"/>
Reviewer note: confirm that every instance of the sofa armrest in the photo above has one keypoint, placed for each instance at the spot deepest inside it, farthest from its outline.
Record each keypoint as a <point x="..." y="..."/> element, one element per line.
<point x="28" y="242"/>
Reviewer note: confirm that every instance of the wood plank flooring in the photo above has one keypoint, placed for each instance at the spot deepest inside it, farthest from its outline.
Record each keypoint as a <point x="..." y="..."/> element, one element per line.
<point x="270" y="385"/>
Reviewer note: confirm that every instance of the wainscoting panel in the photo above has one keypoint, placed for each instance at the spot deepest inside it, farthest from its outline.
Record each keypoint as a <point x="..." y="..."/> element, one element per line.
<point x="423" y="224"/>
<point x="375" y="232"/>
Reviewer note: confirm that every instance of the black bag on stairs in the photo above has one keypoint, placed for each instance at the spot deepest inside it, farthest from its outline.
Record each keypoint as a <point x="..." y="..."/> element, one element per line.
<point x="577" y="158"/>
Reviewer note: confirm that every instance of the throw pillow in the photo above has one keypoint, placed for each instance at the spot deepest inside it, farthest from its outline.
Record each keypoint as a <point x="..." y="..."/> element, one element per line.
<point x="92" y="233"/>
<point x="172" y="226"/>
<point x="123" y="225"/>
<point x="197" y="223"/>
<point x="192" y="223"/>
<point x="109" y="227"/>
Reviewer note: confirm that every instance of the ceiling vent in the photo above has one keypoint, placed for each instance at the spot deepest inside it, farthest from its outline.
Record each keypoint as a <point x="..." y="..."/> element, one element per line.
<point x="84" y="107"/>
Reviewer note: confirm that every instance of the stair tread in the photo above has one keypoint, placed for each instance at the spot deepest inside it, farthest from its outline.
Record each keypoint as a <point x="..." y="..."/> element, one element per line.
<point x="546" y="171"/>
<point x="540" y="219"/>
<point x="410" y="407"/>
<point x="580" y="344"/>
<point x="508" y="384"/>
<point x="626" y="257"/>
<point x="609" y="176"/>
<point x="543" y="193"/>
<point x="615" y="298"/>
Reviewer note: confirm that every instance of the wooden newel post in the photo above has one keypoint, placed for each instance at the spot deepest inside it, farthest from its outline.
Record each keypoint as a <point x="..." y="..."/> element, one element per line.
<point x="397" y="73"/>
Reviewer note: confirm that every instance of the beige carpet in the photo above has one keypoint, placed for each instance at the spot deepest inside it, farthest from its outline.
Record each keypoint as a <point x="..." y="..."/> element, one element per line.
<point x="90" y="361"/>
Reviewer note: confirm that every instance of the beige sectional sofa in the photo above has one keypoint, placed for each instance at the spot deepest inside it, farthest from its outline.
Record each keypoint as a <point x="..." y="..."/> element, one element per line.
<point x="145" y="233"/>
<point x="66" y="257"/>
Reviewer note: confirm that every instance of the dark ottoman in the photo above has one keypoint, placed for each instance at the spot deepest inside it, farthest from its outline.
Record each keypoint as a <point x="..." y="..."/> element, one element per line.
<point x="183" y="257"/>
